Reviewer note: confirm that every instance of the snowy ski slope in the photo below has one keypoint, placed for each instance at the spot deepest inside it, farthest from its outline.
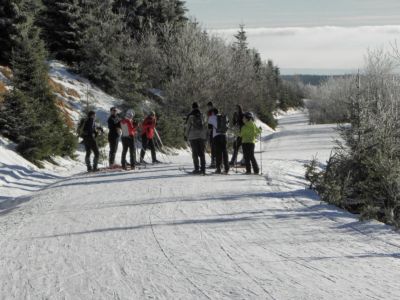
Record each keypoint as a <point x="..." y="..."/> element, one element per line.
<point x="161" y="234"/>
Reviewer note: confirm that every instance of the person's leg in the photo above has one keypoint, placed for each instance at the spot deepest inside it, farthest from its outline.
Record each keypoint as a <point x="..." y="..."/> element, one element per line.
<point x="133" y="157"/>
<point x="253" y="159"/>
<point x="131" y="147"/>
<point x="124" y="151"/>
<point x="224" y="150"/>
<point x="88" y="150"/>
<point x="235" y="151"/>
<point x="144" y="147"/>
<point x="213" y="149"/>
<point x="195" y="154"/>
<point x="113" y="141"/>
<point x="152" y="147"/>
<point x="246" y="154"/>
<point x="218" y="152"/>
<point x="96" y="153"/>
<point x="202" y="155"/>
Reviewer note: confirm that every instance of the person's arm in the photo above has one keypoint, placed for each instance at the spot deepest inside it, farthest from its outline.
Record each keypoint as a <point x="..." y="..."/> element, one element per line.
<point x="188" y="126"/>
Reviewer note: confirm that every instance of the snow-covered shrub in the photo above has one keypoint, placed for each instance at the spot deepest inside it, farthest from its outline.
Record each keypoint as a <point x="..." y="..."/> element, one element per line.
<point x="363" y="174"/>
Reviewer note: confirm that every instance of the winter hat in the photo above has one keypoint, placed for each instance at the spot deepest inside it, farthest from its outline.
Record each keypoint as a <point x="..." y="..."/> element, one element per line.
<point x="130" y="113"/>
<point x="249" y="115"/>
<point x="195" y="105"/>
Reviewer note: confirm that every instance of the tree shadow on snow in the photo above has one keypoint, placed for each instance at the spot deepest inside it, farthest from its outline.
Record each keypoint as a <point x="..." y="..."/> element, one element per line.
<point x="9" y="204"/>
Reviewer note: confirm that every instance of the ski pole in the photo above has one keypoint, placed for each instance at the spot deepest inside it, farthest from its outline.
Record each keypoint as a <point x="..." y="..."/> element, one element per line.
<point x="161" y="146"/>
<point x="261" y="153"/>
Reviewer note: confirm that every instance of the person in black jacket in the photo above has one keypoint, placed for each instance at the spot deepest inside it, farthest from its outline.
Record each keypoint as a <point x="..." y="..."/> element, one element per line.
<point x="114" y="132"/>
<point x="89" y="134"/>
<point x="237" y="122"/>
<point x="210" y="110"/>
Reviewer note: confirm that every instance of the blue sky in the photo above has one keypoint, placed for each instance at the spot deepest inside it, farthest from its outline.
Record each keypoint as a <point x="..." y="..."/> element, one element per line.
<point x="305" y="34"/>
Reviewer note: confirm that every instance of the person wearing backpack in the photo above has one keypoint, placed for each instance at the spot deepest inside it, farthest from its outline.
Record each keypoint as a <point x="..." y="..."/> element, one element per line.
<point x="249" y="133"/>
<point x="219" y="124"/>
<point x="89" y="132"/>
<point x="114" y="132"/>
<point x="237" y="122"/>
<point x="196" y="133"/>
<point x="195" y="107"/>
<point x="148" y="131"/>
<point x="128" y="128"/>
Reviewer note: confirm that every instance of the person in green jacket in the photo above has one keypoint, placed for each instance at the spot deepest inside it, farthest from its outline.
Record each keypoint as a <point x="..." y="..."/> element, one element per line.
<point x="249" y="133"/>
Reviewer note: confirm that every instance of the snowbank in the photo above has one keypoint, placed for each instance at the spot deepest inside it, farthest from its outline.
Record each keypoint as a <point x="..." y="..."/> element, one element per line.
<point x="19" y="177"/>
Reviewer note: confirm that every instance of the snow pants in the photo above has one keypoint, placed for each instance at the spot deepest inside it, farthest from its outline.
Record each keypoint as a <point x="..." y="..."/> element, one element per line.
<point x="249" y="158"/>
<point x="198" y="152"/>
<point x="212" y="147"/>
<point x="221" y="152"/>
<point x="113" y="141"/>
<point x="236" y="147"/>
<point x="128" y="143"/>
<point x="91" y="145"/>
<point x="146" y="144"/>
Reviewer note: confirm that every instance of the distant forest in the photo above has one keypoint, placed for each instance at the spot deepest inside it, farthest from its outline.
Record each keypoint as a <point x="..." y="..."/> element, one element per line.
<point x="309" y="79"/>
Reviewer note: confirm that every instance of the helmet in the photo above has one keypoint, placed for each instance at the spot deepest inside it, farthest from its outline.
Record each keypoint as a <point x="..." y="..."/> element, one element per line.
<point x="130" y="113"/>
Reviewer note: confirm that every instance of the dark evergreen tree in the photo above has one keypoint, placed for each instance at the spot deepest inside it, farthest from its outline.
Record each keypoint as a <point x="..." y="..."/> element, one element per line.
<point x="241" y="45"/>
<point x="10" y="16"/>
<point x="144" y="15"/>
<point x="36" y="124"/>
<point x="107" y="52"/>
<point x="101" y="45"/>
<point x="62" y="26"/>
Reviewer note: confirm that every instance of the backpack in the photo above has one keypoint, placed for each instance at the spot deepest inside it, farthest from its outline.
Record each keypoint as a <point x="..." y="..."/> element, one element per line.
<point x="222" y="124"/>
<point x="198" y="123"/>
<point x="81" y="128"/>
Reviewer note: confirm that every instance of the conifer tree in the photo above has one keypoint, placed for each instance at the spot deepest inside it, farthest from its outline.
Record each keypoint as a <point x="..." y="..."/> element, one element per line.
<point x="241" y="44"/>
<point x="10" y="17"/>
<point x="141" y="16"/>
<point x="31" y="117"/>
<point x="62" y="26"/>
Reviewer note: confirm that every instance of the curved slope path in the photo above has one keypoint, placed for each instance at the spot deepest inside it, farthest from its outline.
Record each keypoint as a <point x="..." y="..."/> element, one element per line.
<point x="161" y="234"/>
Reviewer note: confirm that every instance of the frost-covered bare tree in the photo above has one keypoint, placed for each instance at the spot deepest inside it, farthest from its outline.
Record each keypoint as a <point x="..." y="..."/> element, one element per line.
<point x="329" y="102"/>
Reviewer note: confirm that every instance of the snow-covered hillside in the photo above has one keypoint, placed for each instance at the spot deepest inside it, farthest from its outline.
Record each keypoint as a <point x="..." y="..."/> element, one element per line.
<point x="158" y="233"/>
<point x="76" y="92"/>
<point x="19" y="177"/>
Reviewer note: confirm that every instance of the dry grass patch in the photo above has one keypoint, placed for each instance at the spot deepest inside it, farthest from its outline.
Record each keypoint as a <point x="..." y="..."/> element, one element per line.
<point x="73" y="93"/>
<point x="57" y="87"/>
<point x="6" y="71"/>
<point x="3" y="88"/>
<point x="64" y="111"/>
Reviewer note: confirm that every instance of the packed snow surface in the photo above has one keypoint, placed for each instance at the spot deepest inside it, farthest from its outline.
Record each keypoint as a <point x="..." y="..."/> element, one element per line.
<point x="158" y="233"/>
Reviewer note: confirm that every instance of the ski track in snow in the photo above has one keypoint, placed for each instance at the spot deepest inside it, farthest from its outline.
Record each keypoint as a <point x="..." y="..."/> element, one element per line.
<point x="159" y="233"/>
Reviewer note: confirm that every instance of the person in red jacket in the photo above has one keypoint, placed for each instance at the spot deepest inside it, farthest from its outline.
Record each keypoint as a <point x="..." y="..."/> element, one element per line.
<point x="128" y="129"/>
<point x="148" y="131"/>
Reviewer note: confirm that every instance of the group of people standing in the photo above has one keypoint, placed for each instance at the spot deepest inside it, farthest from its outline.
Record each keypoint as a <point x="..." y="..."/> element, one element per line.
<point x="199" y="129"/>
<point x="125" y="129"/>
<point x="214" y="130"/>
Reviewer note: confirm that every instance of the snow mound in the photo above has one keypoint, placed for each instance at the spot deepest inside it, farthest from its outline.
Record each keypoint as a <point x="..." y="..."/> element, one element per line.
<point x="19" y="177"/>
<point x="264" y="127"/>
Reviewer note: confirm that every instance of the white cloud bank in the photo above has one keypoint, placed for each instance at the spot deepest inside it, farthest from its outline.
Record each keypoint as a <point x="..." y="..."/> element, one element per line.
<point x="326" y="47"/>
